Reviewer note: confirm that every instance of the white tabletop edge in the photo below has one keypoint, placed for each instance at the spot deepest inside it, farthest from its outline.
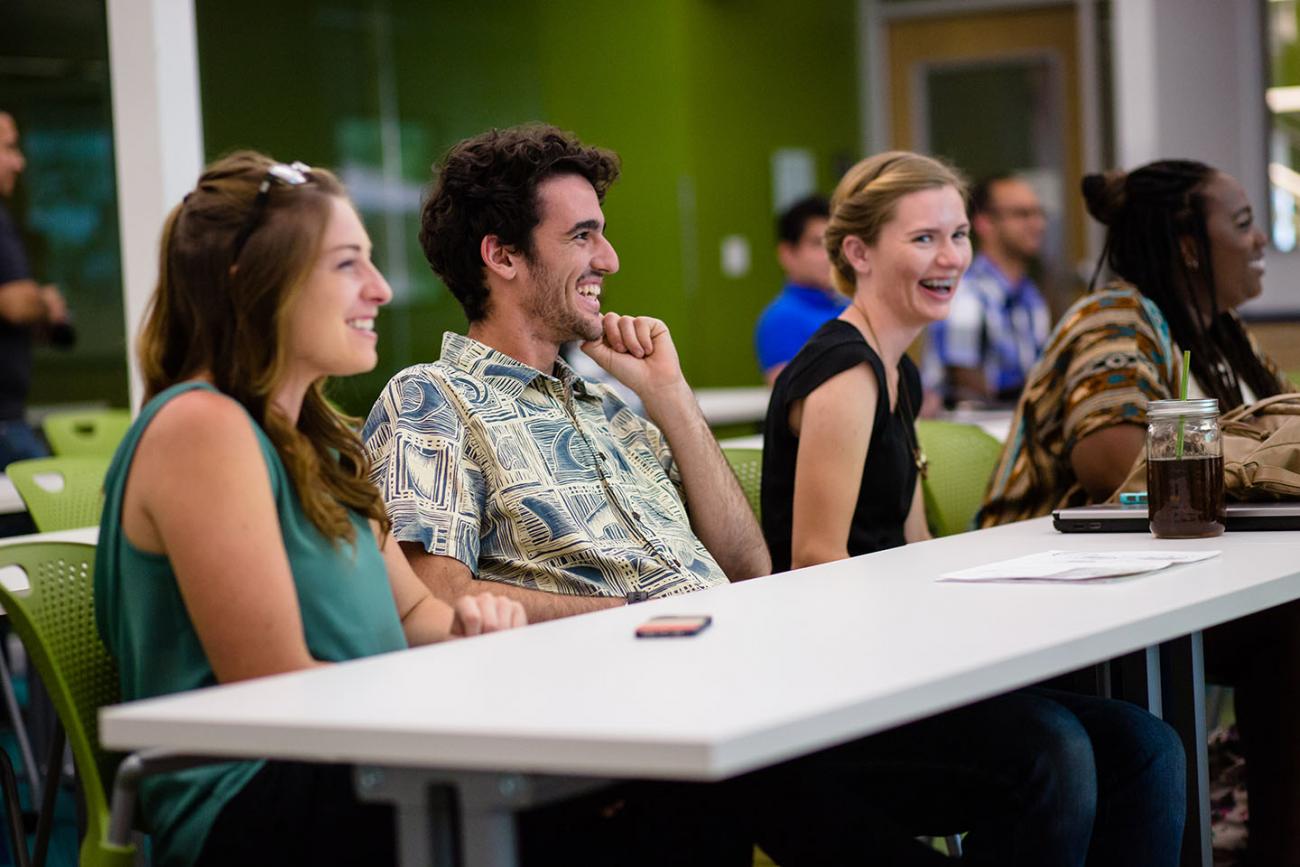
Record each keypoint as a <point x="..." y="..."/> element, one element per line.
<point x="81" y="535"/>
<point x="707" y="755"/>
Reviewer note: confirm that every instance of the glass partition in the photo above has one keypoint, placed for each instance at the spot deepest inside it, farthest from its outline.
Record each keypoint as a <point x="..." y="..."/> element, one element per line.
<point x="1283" y="98"/>
<point x="54" y="81"/>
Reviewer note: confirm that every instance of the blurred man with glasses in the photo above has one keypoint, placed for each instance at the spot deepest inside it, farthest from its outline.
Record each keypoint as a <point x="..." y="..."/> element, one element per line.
<point x="998" y="322"/>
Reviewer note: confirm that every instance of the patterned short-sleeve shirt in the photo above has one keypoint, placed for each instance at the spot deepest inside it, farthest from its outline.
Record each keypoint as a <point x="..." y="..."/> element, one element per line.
<point x="1110" y="355"/>
<point x="545" y="482"/>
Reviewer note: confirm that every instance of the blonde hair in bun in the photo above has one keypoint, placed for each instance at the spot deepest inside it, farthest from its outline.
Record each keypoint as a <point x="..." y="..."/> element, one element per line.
<point x="867" y="196"/>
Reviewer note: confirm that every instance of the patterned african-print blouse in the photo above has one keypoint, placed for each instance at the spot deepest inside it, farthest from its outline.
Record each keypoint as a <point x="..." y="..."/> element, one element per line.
<point x="545" y="482"/>
<point x="1110" y="354"/>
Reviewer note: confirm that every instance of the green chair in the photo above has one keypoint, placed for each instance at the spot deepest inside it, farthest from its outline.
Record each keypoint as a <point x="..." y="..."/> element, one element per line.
<point x="56" y="621"/>
<point x="962" y="459"/>
<point x="74" y="501"/>
<point x="747" y="464"/>
<point x="93" y="433"/>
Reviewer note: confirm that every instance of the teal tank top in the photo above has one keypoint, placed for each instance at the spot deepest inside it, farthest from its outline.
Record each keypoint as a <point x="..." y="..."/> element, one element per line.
<point x="347" y="612"/>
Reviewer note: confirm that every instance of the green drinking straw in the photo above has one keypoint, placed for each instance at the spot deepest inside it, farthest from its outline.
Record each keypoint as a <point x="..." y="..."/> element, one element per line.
<point x="1187" y="366"/>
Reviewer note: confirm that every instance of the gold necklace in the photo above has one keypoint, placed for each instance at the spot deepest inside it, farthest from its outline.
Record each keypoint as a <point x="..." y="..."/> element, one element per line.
<point x="918" y="454"/>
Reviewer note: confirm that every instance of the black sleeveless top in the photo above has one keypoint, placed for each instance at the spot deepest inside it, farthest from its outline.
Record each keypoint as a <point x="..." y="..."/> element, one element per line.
<point x="889" y="474"/>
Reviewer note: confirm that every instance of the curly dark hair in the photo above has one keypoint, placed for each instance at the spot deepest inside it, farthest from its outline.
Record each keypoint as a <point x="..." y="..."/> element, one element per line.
<point x="487" y="185"/>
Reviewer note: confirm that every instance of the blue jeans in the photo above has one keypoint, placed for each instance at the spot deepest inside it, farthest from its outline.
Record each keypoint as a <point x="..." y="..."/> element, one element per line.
<point x="1037" y="777"/>
<point x="18" y="442"/>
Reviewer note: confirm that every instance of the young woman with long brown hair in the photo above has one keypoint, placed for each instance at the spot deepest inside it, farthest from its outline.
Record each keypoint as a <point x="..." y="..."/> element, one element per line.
<point x="240" y="536"/>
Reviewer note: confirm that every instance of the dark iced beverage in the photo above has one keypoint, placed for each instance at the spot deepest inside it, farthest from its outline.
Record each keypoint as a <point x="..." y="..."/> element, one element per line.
<point x="1186" y="497"/>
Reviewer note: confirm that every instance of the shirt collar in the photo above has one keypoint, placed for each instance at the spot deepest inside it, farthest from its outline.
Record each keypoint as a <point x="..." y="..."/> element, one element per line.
<point x="984" y="266"/>
<point x="815" y="296"/>
<point x="508" y="375"/>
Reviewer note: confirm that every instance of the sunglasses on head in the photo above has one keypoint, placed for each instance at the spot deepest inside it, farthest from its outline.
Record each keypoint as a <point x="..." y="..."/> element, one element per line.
<point x="293" y="174"/>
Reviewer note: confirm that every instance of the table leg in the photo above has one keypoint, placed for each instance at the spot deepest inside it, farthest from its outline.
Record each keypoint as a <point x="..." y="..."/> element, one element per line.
<point x="20" y="731"/>
<point x="1135" y="677"/>
<point x="452" y="818"/>
<point x="1183" y="695"/>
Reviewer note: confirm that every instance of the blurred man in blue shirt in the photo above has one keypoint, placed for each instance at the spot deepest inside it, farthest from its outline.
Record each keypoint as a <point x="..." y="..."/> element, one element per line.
<point x="998" y="322"/>
<point x="808" y="299"/>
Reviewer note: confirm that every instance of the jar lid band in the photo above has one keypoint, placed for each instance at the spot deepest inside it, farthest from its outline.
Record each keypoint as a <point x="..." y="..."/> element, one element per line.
<point x="1206" y="406"/>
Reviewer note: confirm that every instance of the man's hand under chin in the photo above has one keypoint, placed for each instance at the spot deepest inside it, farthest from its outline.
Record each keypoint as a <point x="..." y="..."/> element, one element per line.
<point x="638" y="351"/>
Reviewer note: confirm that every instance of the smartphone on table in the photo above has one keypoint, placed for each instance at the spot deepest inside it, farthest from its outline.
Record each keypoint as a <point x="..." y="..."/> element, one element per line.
<point x="673" y="626"/>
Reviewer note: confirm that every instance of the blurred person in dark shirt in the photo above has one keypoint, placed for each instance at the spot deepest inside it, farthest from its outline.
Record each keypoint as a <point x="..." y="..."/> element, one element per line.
<point x="29" y="312"/>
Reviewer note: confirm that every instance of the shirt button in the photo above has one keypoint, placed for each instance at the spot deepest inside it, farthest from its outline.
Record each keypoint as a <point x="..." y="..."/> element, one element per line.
<point x="636" y="516"/>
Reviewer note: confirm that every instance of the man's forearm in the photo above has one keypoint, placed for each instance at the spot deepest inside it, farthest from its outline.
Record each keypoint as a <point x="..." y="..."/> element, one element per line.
<point x="540" y="604"/>
<point x="449" y="579"/>
<point x="720" y="514"/>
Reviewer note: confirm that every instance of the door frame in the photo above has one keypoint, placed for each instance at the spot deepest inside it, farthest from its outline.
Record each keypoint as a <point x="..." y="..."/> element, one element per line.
<point x="875" y="16"/>
<point x="920" y="87"/>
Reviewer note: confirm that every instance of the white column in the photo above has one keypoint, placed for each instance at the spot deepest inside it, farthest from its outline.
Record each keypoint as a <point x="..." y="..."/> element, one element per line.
<point x="1089" y="96"/>
<point x="157" y="137"/>
<point x="1189" y="83"/>
<point x="1136" y="61"/>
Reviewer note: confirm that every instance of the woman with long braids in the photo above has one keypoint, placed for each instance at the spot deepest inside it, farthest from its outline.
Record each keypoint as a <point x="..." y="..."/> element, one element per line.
<point x="1182" y="243"/>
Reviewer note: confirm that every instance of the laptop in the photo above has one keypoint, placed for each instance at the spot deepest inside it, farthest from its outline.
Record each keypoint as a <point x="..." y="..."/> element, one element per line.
<point x="1111" y="518"/>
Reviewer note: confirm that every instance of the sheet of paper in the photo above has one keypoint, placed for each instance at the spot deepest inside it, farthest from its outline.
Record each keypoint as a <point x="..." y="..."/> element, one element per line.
<point x="1077" y="565"/>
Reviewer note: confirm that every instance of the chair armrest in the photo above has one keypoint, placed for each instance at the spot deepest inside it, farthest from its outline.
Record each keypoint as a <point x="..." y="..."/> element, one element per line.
<point x="126" y="784"/>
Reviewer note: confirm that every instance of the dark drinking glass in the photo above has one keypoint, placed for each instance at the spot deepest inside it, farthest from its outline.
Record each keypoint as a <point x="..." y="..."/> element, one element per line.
<point x="1186" y="497"/>
<point x="1185" y="469"/>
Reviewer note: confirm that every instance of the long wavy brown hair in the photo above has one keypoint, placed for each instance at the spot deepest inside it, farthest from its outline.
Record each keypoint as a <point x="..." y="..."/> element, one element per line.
<point x="216" y="315"/>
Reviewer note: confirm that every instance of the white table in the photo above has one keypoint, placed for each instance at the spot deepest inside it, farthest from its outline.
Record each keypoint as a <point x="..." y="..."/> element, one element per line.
<point x="753" y="441"/>
<point x="85" y="535"/>
<point x="725" y="406"/>
<point x="11" y="502"/>
<point x="994" y="422"/>
<point x="781" y="672"/>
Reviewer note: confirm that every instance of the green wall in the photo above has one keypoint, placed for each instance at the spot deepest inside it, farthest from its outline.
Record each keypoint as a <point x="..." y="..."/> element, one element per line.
<point x="765" y="74"/>
<point x="694" y="95"/>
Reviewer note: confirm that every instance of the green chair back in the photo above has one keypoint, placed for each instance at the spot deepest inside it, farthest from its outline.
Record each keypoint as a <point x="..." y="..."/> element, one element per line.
<point x="747" y="464"/>
<point x="77" y="504"/>
<point x="95" y="432"/>
<point x="962" y="460"/>
<point x="56" y="621"/>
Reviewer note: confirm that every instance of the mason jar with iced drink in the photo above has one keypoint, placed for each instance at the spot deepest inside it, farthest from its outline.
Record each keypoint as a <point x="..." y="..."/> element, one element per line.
<point x="1185" y="469"/>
